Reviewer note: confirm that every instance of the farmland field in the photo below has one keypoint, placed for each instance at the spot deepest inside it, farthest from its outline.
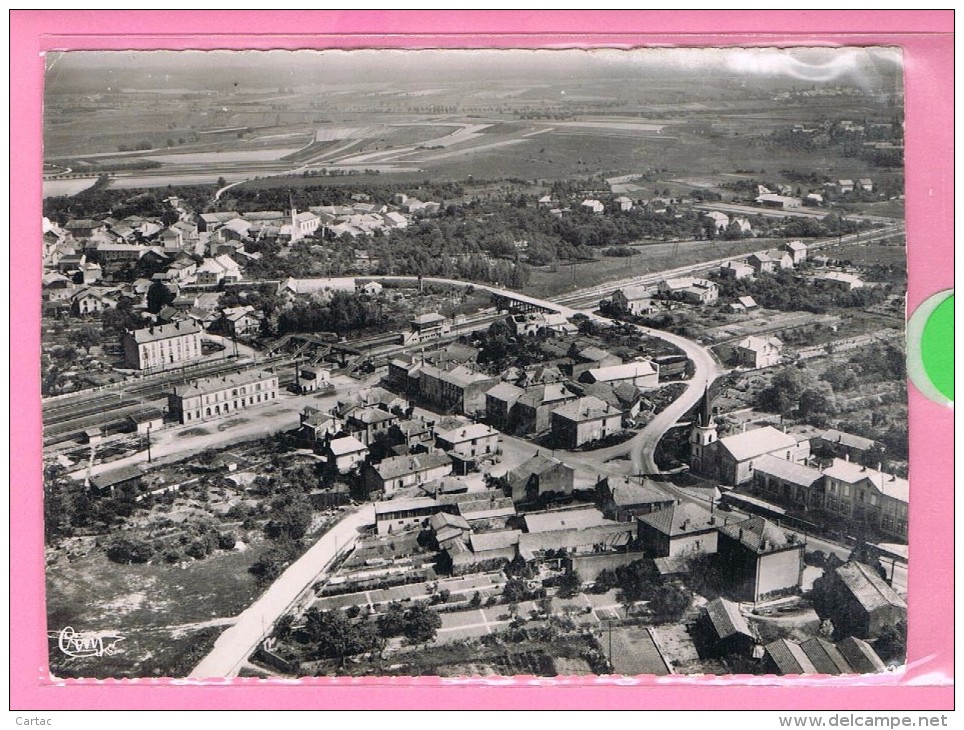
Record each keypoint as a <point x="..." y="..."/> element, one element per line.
<point x="860" y="253"/>
<point x="550" y="281"/>
<point x="202" y="158"/>
<point x="54" y="188"/>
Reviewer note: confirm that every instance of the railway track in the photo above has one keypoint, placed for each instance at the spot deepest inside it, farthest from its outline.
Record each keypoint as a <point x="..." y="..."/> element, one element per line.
<point x="63" y="419"/>
<point x="584" y="297"/>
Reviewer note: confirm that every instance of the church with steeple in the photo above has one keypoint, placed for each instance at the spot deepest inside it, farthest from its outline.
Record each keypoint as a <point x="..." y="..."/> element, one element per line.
<point x="300" y="225"/>
<point x="703" y="439"/>
<point x="730" y="460"/>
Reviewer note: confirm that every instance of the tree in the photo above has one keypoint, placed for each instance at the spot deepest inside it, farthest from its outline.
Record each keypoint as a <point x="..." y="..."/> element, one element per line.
<point x="421" y="624"/>
<point x="335" y="636"/>
<point x="272" y="562"/>
<point x="814" y="402"/>
<point x="570" y="584"/>
<point x="891" y="645"/>
<point x="293" y="520"/>
<point x="784" y="392"/>
<point x="392" y="622"/>
<point x="86" y="337"/>
<point x="282" y="627"/>
<point x="476" y="600"/>
<point x="519" y="568"/>
<point x="442" y="596"/>
<point x="169" y="217"/>
<point x="605" y="581"/>
<point x="127" y="550"/>
<point x="514" y="591"/>
<point x="638" y="580"/>
<point x="668" y="603"/>
<point x="121" y="318"/>
<point x="159" y="295"/>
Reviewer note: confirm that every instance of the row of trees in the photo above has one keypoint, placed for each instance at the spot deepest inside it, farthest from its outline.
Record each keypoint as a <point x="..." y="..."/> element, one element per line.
<point x="344" y="313"/>
<point x="245" y="198"/>
<point x="341" y="634"/>
<point x="789" y="292"/>
<point x="848" y="141"/>
<point x="100" y="201"/>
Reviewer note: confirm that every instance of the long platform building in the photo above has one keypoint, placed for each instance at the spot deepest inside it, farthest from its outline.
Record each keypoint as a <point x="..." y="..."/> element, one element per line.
<point x="208" y="398"/>
<point x="162" y="345"/>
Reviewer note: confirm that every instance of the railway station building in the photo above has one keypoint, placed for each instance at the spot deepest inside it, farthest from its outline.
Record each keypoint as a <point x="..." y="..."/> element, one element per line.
<point x="208" y="398"/>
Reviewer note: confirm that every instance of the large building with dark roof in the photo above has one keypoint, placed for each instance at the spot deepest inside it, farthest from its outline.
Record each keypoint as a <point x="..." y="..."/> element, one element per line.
<point x="678" y="530"/>
<point x="455" y="390"/>
<point x="162" y="345"/>
<point x="859" y="602"/>
<point x="208" y="398"/>
<point x="760" y="559"/>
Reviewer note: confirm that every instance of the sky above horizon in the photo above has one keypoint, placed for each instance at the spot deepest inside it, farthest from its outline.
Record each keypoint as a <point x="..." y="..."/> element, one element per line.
<point x="871" y="67"/>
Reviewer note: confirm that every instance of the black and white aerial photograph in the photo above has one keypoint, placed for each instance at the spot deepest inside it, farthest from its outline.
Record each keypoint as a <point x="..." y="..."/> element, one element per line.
<point x="474" y="363"/>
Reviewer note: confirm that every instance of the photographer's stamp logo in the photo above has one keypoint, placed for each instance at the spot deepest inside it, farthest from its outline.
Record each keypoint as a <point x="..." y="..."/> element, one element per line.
<point x="88" y="643"/>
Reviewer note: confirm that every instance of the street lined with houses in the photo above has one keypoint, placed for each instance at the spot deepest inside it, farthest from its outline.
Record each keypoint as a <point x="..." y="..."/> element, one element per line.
<point x="580" y="374"/>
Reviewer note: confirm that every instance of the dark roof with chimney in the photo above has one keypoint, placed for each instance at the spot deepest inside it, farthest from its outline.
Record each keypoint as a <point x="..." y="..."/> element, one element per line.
<point x="761" y="536"/>
<point x="680" y="519"/>
<point x="165" y="331"/>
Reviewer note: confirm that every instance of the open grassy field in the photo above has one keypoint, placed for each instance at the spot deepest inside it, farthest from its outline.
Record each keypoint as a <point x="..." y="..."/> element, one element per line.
<point x="862" y="253"/>
<point x="553" y="280"/>
<point x="168" y="616"/>
<point x="406" y="146"/>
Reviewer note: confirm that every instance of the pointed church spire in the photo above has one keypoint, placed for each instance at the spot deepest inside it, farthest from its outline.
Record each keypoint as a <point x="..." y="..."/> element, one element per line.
<point x="706" y="416"/>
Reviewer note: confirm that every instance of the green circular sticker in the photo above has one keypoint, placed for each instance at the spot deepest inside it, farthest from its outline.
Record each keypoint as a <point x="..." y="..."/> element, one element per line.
<point x="930" y="347"/>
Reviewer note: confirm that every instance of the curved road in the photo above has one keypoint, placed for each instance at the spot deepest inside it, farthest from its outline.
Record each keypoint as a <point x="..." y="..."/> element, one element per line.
<point x="236" y="644"/>
<point x="642" y="447"/>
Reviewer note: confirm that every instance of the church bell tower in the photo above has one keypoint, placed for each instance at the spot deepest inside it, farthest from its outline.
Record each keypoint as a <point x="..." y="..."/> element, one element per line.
<point x="703" y="438"/>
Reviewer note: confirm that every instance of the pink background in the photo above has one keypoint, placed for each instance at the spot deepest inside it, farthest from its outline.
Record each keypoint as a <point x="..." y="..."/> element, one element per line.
<point x="927" y="40"/>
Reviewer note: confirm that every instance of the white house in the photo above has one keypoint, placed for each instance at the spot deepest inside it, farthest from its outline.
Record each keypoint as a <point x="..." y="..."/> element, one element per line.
<point x="720" y="220"/>
<point x="838" y="280"/>
<point x="797" y="251"/>
<point x="220" y="269"/>
<point x="736" y="270"/>
<point x="758" y="352"/>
